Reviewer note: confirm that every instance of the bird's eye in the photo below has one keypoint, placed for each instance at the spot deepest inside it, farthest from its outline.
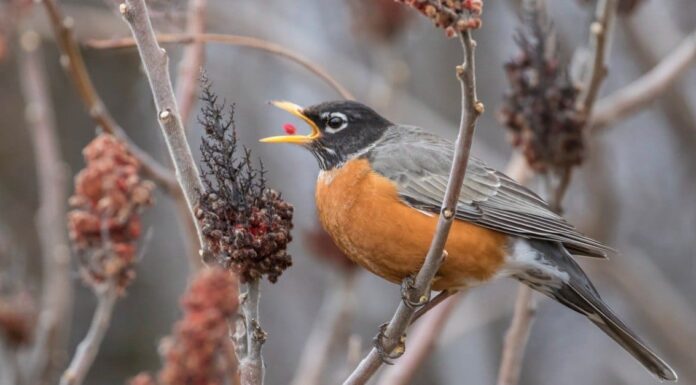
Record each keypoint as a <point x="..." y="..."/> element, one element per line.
<point x="336" y="122"/>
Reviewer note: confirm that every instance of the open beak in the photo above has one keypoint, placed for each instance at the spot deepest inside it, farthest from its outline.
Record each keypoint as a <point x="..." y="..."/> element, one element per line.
<point x="296" y="139"/>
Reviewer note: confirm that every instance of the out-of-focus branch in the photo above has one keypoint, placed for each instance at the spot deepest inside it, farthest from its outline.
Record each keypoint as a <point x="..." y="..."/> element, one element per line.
<point x="647" y="88"/>
<point x="88" y="348"/>
<point x="155" y="61"/>
<point x="237" y="40"/>
<point x="336" y="310"/>
<point x="517" y="335"/>
<point x="57" y="294"/>
<point x="191" y="61"/>
<point x="391" y="338"/>
<point x="73" y="63"/>
<point x="600" y="31"/>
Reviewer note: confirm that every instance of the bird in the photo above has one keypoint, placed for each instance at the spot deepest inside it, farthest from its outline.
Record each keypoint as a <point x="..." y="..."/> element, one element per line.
<point x="379" y="193"/>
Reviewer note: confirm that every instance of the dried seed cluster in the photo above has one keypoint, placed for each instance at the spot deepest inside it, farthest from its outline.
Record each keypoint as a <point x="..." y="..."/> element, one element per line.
<point x="246" y="225"/>
<point x="17" y="318"/>
<point x="539" y="109"/>
<point x="104" y="223"/>
<point x="191" y="354"/>
<point x="454" y="16"/>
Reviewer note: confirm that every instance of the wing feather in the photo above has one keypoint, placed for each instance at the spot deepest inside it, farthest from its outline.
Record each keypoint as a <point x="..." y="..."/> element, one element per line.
<point x="419" y="164"/>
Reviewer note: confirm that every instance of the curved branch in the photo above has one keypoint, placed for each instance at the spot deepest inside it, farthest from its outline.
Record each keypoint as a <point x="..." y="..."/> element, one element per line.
<point x="643" y="91"/>
<point x="236" y="40"/>
<point x="471" y="110"/>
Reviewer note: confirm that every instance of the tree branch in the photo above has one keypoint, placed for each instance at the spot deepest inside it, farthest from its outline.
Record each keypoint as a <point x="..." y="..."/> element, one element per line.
<point x="637" y="95"/>
<point x="517" y="335"/>
<point x="471" y="109"/>
<point x="191" y="61"/>
<point x="88" y="348"/>
<point x="155" y="61"/>
<point x="57" y="294"/>
<point x="236" y="40"/>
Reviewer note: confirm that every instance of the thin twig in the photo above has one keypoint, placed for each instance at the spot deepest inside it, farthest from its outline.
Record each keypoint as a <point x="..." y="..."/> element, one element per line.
<point x="237" y="40"/>
<point x="192" y="60"/>
<point x="335" y="312"/>
<point x="471" y="109"/>
<point x="88" y="348"/>
<point x="640" y="93"/>
<point x="600" y="30"/>
<point x="251" y="365"/>
<point x="155" y="61"/>
<point x="525" y="305"/>
<point x="73" y="63"/>
<point x="57" y="293"/>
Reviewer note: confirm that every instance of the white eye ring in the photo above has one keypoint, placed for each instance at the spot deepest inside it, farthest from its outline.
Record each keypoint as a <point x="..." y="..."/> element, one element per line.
<point x="340" y="115"/>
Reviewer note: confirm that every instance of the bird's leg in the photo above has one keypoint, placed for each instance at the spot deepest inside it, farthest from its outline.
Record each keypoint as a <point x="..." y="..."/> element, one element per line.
<point x="394" y="353"/>
<point x="408" y="291"/>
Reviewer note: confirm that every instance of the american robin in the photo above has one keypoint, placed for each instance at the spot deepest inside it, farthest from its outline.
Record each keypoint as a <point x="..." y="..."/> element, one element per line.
<point x="379" y="194"/>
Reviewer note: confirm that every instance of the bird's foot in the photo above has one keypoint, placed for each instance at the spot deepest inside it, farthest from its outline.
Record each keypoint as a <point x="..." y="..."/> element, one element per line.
<point x="409" y="291"/>
<point x="388" y="356"/>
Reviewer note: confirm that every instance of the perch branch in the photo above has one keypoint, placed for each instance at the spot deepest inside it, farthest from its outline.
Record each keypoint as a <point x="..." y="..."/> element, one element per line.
<point x="56" y="298"/>
<point x="192" y="60"/>
<point x="236" y="40"/>
<point x="155" y="61"/>
<point x="87" y="349"/>
<point x="73" y="63"/>
<point x="335" y="312"/>
<point x="647" y="88"/>
<point x="471" y="109"/>
<point x="525" y="306"/>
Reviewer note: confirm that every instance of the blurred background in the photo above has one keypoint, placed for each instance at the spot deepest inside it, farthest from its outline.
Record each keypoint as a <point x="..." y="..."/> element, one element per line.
<point x="636" y="191"/>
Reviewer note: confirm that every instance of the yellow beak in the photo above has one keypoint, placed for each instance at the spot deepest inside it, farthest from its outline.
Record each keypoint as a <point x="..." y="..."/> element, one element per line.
<point x="296" y="139"/>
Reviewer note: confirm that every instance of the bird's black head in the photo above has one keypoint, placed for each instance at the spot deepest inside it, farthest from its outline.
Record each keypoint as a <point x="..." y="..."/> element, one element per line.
<point x="340" y="130"/>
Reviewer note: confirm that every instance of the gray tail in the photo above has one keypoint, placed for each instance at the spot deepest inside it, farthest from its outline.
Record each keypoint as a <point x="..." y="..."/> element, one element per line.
<point x="579" y="294"/>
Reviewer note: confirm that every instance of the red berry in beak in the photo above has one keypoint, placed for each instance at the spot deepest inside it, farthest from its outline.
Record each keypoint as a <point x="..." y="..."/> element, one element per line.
<point x="289" y="128"/>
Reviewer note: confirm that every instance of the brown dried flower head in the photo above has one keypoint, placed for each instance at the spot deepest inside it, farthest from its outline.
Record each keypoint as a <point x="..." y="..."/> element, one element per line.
<point x="104" y="223"/>
<point x="191" y="354"/>
<point x="454" y="16"/>
<point x="246" y="225"/>
<point x="17" y="317"/>
<point x="539" y="109"/>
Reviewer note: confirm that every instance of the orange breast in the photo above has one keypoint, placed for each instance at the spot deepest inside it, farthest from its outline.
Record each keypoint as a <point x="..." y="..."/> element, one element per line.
<point x="362" y="211"/>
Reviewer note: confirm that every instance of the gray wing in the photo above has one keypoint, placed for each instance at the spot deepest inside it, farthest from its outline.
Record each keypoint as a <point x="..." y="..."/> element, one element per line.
<point x="419" y="163"/>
